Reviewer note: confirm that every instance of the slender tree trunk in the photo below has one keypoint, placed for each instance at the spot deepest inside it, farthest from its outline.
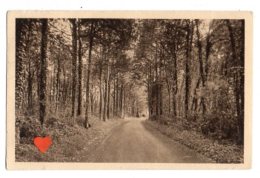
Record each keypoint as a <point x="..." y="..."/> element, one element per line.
<point x="91" y="39"/>
<point x="121" y="100"/>
<point x="79" y="112"/>
<point x="105" y="112"/>
<point x="29" y="89"/>
<point x="124" y="104"/>
<point x="108" y="98"/>
<point x="189" y="37"/>
<point x="74" y="65"/>
<point x="149" y="92"/>
<point x="242" y="82"/>
<point x="58" y="82"/>
<point x="100" y="91"/>
<point x="175" y="80"/>
<point x="160" y="85"/>
<point x="51" y="92"/>
<point x="92" y="99"/>
<point x="43" y="70"/>
<point x="201" y="69"/>
<point x="208" y="50"/>
<point x="117" y="96"/>
<point x="29" y="79"/>
<point x="114" y="98"/>
<point x="80" y="66"/>
<point x="169" y="95"/>
<point x="105" y="102"/>
<point x="64" y="89"/>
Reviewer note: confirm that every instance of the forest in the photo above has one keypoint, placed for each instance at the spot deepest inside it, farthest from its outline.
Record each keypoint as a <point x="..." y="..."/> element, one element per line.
<point x="184" y="73"/>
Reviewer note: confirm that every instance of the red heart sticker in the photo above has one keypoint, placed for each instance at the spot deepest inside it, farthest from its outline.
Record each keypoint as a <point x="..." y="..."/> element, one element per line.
<point x="42" y="143"/>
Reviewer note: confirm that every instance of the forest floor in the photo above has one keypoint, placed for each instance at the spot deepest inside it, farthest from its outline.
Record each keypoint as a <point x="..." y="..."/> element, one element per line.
<point x="70" y="142"/>
<point x="127" y="140"/>
<point x="116" y="140"/>
<point x="221" y="152"/>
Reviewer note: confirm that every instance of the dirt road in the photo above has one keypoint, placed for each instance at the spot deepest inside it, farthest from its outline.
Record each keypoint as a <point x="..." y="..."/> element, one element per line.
<point x="132" y="142"/>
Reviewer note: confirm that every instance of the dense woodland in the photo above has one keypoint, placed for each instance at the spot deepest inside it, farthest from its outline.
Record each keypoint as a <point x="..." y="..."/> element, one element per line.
<point x="188" y="72"/>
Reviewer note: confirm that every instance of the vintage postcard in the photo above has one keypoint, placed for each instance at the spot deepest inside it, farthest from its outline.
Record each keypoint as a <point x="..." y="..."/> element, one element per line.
<point x="129" y="90"/>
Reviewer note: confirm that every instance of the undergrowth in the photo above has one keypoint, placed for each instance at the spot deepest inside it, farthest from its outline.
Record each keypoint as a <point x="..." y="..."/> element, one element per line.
<point x="70" y="140"/>
<point x="219" y="151"/>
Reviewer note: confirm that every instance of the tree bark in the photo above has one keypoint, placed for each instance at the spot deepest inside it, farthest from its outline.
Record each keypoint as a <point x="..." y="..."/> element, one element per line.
<point x="74" y="65"/>
<point x="58" y="81"/>
<point x="121" y="100"/>
<point x="189" y="37"/>
<point x="91" y="39"/>
<point x="100" y="91"/>
<point x="19" y="65"/>
<point x="43" y="70"/>
<point x="105" y="112"/>
<point x="108" y="98"/>
<point x="29" y="77"/>
<point x="201" y="68"/>
<point x="80" y="66"/>
<point x="114" y="97"/>
<point x="242" y="82"/>
<point x="175" y="79"/>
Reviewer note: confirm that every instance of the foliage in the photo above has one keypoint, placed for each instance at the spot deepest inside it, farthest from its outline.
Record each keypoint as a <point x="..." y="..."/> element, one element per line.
<point x="219" y="151"/>
<point x="70" y="143"/>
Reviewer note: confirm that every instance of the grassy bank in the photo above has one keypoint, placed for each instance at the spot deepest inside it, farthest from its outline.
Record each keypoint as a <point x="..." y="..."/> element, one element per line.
<point x="224" y="152"/>
<point x="71" y="143"/>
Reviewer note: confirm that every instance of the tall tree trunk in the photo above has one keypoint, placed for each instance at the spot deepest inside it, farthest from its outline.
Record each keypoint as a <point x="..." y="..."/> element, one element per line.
<point x="160" y="99"/>
<point x="117" y="96"/>
<point x="169" y="95"/>
<point x="91" y="39"/>
<point x="92" y="99"/>
<point x="58" y="81"/>
<point x="105" y="102"/>
<point x="74" y="65"/>
<point x="114" y="98"/>
<point x="79" y="75"/>
<point x="29" y="89"/>
<point x="19" y="66"/>
<point x="242" y="82"/>
<point x="106" y="90"/>
<point x="201" y="68"/>
<point x="175" y="79"/>
<point x="208" y="51"/>
<point x="149" y="92"/>
<point x="64" y="88"/>
<point x="43" y="70"/>
<point x="100" y="91"/>
<point x="121" y="100"/>
<point x="108" y="98"/>
<point x="189" y="37"/>
<point x="29" y="79"/>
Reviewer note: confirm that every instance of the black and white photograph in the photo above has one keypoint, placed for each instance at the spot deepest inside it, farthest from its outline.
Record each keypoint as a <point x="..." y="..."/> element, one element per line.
<point x="129" y="89"/>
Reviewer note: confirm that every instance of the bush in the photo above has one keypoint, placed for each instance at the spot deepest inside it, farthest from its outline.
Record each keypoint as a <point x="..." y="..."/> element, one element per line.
<point x="220" y="126"/>
<point x="153" y="117"/>
<point x="27" y="129"/>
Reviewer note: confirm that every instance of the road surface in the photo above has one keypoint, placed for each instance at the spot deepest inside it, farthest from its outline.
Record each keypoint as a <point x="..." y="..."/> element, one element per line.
<point x="132" y="142"/>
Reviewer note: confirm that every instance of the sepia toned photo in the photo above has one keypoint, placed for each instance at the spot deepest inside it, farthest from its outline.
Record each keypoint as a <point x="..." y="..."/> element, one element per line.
<point x="129" y="90"/>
